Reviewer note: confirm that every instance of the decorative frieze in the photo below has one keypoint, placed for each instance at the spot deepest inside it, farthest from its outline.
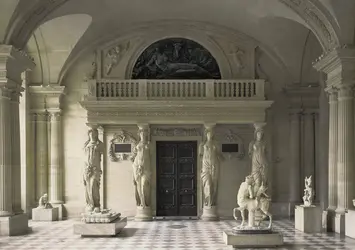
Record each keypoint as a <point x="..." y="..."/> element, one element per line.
<point x="176" y="132"/>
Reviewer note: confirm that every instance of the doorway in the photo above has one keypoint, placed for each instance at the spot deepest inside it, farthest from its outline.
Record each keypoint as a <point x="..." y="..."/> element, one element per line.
<point x="176" y="178"/>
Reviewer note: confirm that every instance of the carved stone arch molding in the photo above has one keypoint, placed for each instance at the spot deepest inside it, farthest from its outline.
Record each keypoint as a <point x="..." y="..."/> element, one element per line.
<point x="320" y="21"/>
<point x="122" y="137"/>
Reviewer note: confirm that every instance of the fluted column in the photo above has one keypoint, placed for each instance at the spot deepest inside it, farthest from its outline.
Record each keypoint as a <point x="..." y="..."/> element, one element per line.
<point x="345" y="148"/>
<point x="308" y="147"/>
<point x="56" y="171"/>
<point x="16" y="154"/>
<point x="295" y="134"/>
<point x="333" y="142"/>
<point x="41" y="155"/>
<point x="5" y="154"/>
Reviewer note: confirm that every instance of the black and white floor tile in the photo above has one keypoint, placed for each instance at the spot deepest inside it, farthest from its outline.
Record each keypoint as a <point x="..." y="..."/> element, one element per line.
<point x="162" y="235"/>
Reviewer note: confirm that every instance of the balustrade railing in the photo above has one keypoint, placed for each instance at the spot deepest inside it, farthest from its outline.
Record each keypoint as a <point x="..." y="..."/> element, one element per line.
<point x="176" y="89"/>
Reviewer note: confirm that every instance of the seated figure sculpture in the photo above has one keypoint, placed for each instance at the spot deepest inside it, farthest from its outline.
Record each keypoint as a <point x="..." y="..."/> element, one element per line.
<point x="247" y="200"/>
<point x="43" y="202"/>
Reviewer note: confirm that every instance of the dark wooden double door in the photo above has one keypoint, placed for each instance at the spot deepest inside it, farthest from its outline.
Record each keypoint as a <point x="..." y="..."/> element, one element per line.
<point x="176" y="178"/>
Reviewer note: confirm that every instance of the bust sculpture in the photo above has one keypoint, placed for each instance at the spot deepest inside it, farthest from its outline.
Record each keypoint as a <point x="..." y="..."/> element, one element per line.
<point x="43" y="202"/>
<point x="308" y="192"/>
<point x="93" y="148"/>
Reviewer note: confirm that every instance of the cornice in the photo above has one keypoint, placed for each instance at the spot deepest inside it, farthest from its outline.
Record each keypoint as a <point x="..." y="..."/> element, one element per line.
<point x="46" y="90"/>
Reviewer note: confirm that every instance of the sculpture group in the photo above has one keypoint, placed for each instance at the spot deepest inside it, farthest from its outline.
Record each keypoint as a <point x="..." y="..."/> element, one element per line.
<point x="252" y="192"/>
<point x="308" y="192"/>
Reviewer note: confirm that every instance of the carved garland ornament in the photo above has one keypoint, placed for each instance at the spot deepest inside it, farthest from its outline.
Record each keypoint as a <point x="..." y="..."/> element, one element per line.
<point x="122" y="137"/>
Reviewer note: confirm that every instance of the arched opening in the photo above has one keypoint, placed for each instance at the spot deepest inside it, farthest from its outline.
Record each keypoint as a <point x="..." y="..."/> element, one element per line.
<point x="176" y="58"/>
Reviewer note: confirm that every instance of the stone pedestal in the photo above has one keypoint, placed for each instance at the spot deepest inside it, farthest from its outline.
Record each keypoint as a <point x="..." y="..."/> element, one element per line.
<point x="272" y="239"/>
<point x="100" y="229"/>
<point x="143" y="214"/>
<point x="14" y="225"/>
<point x="209" y="214"/>
<point x="349" y="223"/>
<point x="45" y="214"/>
<point x="308" y="219"/>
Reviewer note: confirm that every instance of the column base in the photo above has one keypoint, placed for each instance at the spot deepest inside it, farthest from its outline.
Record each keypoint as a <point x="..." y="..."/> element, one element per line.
<point x="209" y="214"/>
<point x="143" y="214"/>
<point x="339" y="224"/>
<point x="60" y="210"/>
<point x="328" y="221"/>
<point x="14" y="225"/>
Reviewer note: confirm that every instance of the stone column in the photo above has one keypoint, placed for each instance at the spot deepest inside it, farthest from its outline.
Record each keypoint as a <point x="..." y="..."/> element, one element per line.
<point x="6" y="189"/>
<point x="345" y="148"/>
<point x="333" y="142"/>
<point x="16" y="155"/>
<point x="295" y="181"/>
<point x="56" y="171"/>
<point x="41" y="154"/>
<point x="308" y="147"/>
<point x="12" y="63"/>
<point x="209" y="212"/>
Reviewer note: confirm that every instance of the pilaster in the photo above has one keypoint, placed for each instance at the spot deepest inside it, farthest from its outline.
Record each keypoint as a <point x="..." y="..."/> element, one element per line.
<point x="295" y="140"/>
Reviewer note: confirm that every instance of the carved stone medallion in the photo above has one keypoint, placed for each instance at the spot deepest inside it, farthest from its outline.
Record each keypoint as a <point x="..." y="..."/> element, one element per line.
<point x="122" y="137"/>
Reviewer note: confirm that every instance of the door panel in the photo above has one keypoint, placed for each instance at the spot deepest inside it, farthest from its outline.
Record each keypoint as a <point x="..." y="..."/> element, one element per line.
<point x="176" y="179"/>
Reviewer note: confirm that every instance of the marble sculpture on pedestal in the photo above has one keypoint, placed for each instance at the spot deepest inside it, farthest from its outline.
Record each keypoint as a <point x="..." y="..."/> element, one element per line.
<point x="43" y="202"/>
<point x="308" y="192"/>
<point x="252" y="193"/>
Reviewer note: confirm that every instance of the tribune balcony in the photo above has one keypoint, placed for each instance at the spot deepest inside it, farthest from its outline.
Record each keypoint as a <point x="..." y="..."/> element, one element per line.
<point x="175" y="101"/>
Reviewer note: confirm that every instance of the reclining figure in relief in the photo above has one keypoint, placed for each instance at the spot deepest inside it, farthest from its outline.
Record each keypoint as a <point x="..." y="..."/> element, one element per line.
<point x="248" y="201"/>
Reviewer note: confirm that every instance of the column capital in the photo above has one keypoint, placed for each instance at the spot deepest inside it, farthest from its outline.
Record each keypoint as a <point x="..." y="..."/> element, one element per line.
<point x="346" y="92"/>
<point x="55" y="115"/>
<point x="12" y="63"/>
<point x="259" y="126"/>
<point x="41" y="116"/>
<point x="209" y="126"/>
<point x="294" y="116"/>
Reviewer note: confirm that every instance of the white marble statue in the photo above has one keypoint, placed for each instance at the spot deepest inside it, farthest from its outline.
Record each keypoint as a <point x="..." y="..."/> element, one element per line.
<point x="248" y="200"/>
<point x="93" y="148"/>
<point x="211" y="158"/>
<point x="43" y="202"/>
<point x="141" y="170"/>
<point x="259" y="163"/>
<point x="308" y="192"/>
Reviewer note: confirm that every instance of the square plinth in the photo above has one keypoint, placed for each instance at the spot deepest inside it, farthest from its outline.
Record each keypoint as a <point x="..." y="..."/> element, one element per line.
<point x="308" y="219"/>
<point x="14" y="225"/>
<point x="100" y="229"/>
<point x="45" y="214"/>
<point x="273" y="239"/>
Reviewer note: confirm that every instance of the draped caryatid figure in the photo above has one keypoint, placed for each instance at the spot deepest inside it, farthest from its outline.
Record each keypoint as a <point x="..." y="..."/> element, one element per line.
<point x="141" y="170"/>
<point x="258" y="154"/>
<point x="93" y="148"/>
<point x="211" y="158"/>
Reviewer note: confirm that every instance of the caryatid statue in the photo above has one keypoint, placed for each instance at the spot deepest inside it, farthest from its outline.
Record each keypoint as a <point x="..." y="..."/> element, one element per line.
<point x="93" y="148"/>
<point x="141" y="169"/>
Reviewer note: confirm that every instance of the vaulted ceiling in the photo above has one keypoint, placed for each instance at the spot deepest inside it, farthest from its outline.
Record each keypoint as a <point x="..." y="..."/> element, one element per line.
<point x="67" y="27"/>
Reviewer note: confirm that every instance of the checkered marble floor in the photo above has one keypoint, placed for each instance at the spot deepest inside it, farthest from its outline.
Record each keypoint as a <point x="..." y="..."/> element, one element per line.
<point x="162" y="235"/>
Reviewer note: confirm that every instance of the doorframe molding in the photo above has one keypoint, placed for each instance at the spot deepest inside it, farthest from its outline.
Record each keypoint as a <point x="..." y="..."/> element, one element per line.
<point x="153" y="144"/>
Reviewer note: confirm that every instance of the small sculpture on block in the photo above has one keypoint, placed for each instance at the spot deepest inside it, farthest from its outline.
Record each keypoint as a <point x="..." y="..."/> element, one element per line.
<point x="308" y="192"/>
<point x="43" y="202"/>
